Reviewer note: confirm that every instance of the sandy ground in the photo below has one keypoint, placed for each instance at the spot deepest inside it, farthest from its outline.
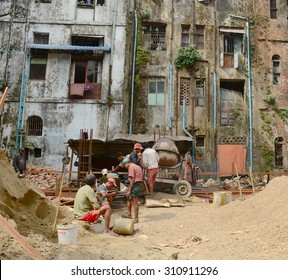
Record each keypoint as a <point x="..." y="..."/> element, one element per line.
<point x="256" y="228"/>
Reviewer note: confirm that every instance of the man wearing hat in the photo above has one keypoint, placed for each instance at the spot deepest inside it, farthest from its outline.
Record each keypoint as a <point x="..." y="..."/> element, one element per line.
<point x="19" y="162"/>
<point x="87" y="207"/>
<point x="135" y="155"/>
<point x="103" y="191"/>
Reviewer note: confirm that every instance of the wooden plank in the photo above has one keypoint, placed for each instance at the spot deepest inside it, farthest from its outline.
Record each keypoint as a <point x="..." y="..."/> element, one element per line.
<point x="3" y="97"/>
<point x="20" y="239"/>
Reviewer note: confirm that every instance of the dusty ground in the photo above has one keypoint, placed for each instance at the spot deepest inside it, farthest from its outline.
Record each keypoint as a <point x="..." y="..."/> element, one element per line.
<point x="256" y="228"/>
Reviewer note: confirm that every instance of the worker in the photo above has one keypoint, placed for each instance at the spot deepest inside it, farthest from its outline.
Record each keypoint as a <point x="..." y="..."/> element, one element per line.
<point x="150" y="160"/>
<point x="19" y="162"/>
<point x="87" y="207"/>
<point x="135" y="176"/>
<point x="103" y="191"/>
<point x="104" y="175"/>
<point x="120" y="156"/>
<point x="136" y="157"/>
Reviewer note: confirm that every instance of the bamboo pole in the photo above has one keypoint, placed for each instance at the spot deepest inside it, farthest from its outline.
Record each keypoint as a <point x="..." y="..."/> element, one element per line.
<point x="3" y="97"/>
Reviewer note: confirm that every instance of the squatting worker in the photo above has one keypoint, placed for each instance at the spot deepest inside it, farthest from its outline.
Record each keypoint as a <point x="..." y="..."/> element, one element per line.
<point x="87" y="207"/>
<point x="135" y="175"/>
<point x="103" y="191"/>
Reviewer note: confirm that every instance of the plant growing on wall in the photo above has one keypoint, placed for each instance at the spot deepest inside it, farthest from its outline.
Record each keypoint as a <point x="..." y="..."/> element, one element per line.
<point x="187" y="57"/>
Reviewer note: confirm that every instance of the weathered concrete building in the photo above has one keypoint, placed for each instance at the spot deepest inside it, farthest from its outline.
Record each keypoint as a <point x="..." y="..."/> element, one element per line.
<point x="233" y="100"/>
<point x="63" y="62"/>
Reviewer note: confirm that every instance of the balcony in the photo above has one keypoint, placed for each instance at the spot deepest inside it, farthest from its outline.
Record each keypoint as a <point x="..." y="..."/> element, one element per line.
<point x="77" y="91"/>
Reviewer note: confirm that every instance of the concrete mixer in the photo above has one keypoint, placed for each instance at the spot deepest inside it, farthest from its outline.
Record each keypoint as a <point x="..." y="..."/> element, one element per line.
<point x="175" y="172"/>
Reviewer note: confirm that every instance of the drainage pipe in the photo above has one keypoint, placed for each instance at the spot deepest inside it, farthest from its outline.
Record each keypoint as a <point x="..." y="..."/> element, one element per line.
<point x="24" y="99"/>
<point x="185" y="130"/>
<point x="250" y="96"/>
<point x="19" y="112"/>
<point x="110" y="67"/>
<point x="170" y="98"/>
<point x="133" y="71"/>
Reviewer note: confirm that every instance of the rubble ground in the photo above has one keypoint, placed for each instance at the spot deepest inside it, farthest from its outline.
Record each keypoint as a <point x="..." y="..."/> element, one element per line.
<point x="256" y="228"/>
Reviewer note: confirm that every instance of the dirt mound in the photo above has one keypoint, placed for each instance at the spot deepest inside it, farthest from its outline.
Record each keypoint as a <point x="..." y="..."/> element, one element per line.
<point x="26" y="207"/>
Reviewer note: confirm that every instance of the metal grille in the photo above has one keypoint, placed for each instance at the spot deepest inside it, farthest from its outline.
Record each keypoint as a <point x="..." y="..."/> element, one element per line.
<point x="184" y="90"/>
<point x="34" y="126"/>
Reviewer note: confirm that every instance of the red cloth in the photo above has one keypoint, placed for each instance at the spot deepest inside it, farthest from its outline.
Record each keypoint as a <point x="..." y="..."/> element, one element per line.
<point x="90" y="217"/>
<point x="228" y="155"/>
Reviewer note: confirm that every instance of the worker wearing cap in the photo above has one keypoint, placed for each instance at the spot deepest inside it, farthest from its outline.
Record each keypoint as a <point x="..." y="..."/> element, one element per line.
<point x="87" y="207"/>
<point x="19" y="162"/>
<point x="103" y="191"/>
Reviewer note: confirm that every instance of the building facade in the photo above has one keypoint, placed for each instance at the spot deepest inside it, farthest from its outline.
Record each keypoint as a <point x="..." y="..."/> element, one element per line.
<point x="110" y="66"/>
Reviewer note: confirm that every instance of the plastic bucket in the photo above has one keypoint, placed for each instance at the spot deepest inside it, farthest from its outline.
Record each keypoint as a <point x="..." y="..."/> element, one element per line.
<point x="67" y="234"/>
<point x="222" y="198"/>
<point x="124" y="226"/>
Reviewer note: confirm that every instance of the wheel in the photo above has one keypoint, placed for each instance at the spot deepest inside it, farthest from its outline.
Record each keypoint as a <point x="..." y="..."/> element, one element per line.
<point x="182" y="188"/>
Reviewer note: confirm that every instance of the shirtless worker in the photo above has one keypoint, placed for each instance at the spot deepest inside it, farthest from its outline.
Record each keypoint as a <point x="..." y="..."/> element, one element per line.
<point x="135" y="176"/>
<point x="87" y="207"/>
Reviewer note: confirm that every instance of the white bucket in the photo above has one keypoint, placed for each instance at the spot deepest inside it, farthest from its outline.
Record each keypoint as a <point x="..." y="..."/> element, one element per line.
<point x="222" y="198"/>
<point x="67" y="234"/>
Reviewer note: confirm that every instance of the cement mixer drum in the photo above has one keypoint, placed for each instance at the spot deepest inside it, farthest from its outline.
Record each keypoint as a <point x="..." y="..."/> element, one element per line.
<point x="168" y="152"/>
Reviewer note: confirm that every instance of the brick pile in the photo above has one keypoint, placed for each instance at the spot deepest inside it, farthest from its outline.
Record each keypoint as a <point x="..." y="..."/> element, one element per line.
<point x="43" y="177"/>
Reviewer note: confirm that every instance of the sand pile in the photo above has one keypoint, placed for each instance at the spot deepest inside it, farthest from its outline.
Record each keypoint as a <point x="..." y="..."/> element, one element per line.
<point x="26" y="208"/>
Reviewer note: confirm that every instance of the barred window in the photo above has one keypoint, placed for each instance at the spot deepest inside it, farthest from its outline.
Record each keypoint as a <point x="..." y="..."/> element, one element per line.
<point x="34" y="126"/>
<point x="154" y="37"/>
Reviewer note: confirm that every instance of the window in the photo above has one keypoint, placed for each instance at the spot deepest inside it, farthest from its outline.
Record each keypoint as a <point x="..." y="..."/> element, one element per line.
<point x="37" y="152"/>
<point x="231" y="100"/>
<point x="43" y="1"/>
<point x="156" y="93"/>
<point x="276" y="70"/>
<point x="86" y="68"/>
<point x="38" y="67"/>
<point x="185" y="36"/>
<point x="199" y="37"/>
<point x="34" y="126"/>
<point x="278" y="145"/>
<point x="273" y="9"/>
<point x="154" y="37"/>
<point x="184" y="90"/>
<point x="232" y="47"/>
<point x="89" y="71"/>
<point x="85" y="3"/>
<point x="100" y="2"/>
<point x="199" y="93"/>
<point x="41" y="38"/>
<point x="228" y="52"/>
<point x="200" y="141"/>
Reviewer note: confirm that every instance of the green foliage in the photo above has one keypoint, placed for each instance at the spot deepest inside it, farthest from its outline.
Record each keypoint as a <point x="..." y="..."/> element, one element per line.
<point x="231" y="130"/>
<point x="187" y="57"/>
<point x="267" y="159"/>
<point x="238" y="114"/>
<point x="270" y="100"/>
